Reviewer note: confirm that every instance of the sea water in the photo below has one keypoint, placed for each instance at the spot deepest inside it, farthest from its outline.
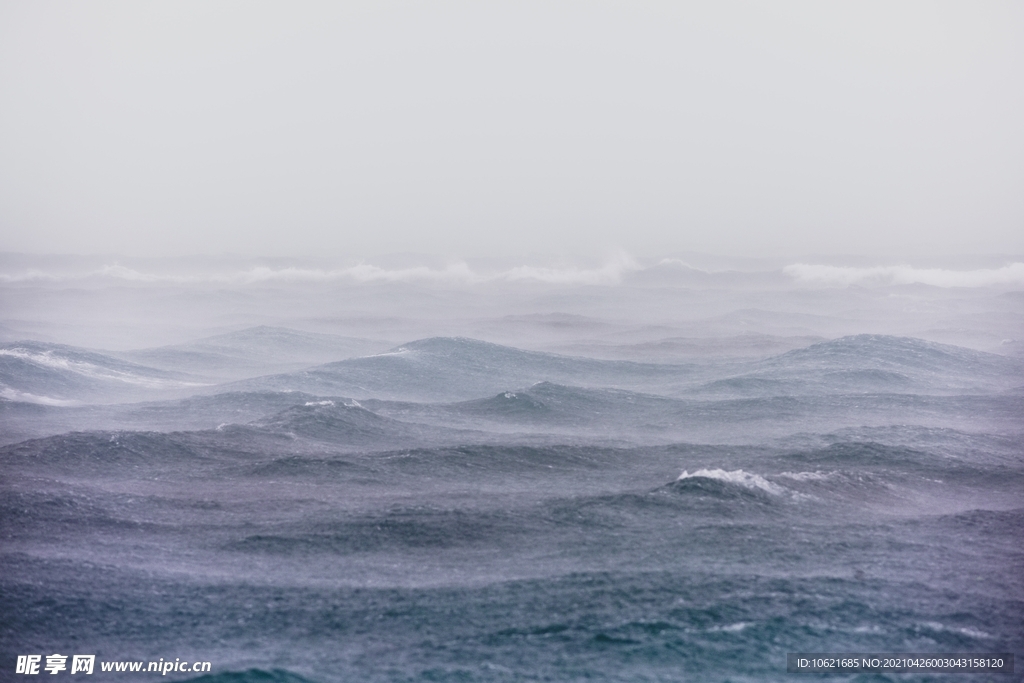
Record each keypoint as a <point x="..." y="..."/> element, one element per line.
<point x="544" y="517"/>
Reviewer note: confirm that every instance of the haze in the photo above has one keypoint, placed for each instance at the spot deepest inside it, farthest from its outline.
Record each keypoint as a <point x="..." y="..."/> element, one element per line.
<point x="486" y="129"/>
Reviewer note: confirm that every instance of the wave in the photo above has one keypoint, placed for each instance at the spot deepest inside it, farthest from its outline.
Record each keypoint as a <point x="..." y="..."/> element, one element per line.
<point x="854" y="474"/>
<point x="457" y="368"/>
<point x="34" y="416"/>
<point x="252" y="352"/>
<point x="106" y="451"/>
<point x="295" y="429"/>
<point x="845" y="352"/>
<point x="746" y="480"/>
<point x="612" y="272"/>
<point x="555" y="409"/>
<point x="816" y="475"/>
<point x="865" y="454"/>
<point x="508" y="405"/>
<point x="55" y="374"/>
<point x="563" y="406"/>
<point x="66" y="361"/>
<point x="398" y="528"/>
<point x="303" y="466"/>
<point x="1009" y="275"/>
<point x="347" y="423"/>
<point x="458" y="272"/>
<point x="862" y="472"/>
<point x="11" y="394"/>
<point x="949" y="444"/>
<point x="873" y="363"/>
<point x="723" y="493"/>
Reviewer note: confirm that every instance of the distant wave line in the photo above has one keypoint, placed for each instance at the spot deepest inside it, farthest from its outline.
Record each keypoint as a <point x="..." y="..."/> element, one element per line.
<point x="456" y="273"/>
<point x="1012" y="274"/>
<point x="611" y="273"/>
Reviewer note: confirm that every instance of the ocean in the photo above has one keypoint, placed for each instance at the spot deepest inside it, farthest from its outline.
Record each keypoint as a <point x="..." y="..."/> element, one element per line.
<point x="450" y="509"/>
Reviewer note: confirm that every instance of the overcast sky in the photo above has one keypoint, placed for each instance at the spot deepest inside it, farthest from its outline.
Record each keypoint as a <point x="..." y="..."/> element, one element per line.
<point x="488" y="128"/>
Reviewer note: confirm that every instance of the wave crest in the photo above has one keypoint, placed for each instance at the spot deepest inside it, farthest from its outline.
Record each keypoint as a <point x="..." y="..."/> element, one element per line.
<point x="1012" y="274"/>
<point x="454" y="273"/>
<point x="737" y="477"/>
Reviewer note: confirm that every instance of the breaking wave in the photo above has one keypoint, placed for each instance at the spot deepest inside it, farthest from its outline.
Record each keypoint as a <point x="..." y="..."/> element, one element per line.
<point x="454" y="273"/>
<point x="459" y="272"/>
<point x="50" y="360"/>
<point x="736" y="477"/>
<point x="1012" y="274"/>
<point x="12" y="394"/>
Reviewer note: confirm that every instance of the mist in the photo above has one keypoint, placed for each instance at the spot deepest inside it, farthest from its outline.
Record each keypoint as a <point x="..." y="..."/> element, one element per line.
<point x="553" y="304"/>
<point x="363" y="129"/>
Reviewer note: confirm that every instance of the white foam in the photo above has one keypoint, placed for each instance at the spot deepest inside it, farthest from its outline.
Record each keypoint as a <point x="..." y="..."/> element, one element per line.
<point x="732" y="628"/>
<point x="458" y="272"/>
<point x="610" y="273"/>
<point x="50" y="360"/>
<point x="807" y="476"/>
<point x="14" y="395"/>
<point x="967" y="631"/>
<point x="28" y="276"/>
<point x="1012" y="274"/>
<point x="745" y="479"/>
<point x="319" y="403"/>
<point x="401" y="351"/>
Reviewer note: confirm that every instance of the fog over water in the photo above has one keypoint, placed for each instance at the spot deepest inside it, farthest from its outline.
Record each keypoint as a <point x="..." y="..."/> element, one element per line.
<point x="121" y="303"/>
<point x="510" y="341"/>
<point x="370" y="128"/>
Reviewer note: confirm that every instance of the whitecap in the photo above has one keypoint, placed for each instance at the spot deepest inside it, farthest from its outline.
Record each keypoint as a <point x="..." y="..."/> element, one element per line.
<point x="458" y="272"/>
<point x="1012" y="274"/>
<point x="732" y="628"/>
<point x="48" y="359"/>
<point x="739" y="477"/>
<point x="807" y="476"/>
<point x="14" y="395"/>
<point x="966" y="630"/>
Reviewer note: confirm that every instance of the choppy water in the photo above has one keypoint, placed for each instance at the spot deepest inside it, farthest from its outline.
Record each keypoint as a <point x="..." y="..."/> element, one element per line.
<point x="459" y="511"/>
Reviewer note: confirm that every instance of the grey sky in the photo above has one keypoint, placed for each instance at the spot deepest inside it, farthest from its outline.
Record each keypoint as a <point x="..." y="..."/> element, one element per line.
<point x="486" y="128"/>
